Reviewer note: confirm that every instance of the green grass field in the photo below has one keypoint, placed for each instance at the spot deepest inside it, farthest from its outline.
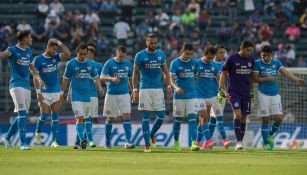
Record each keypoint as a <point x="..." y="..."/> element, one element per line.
<point x="65" y="160"/>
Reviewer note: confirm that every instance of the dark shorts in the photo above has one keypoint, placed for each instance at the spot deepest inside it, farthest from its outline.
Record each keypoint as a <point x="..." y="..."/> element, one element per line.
<point x="241" y="103"/>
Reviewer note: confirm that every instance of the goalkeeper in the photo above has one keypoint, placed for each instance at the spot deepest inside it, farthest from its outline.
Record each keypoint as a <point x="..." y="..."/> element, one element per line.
<point x="266" y="71"/>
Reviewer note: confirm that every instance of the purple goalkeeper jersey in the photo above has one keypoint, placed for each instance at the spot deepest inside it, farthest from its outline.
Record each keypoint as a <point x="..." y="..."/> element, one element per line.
<point x="239" y="70"/>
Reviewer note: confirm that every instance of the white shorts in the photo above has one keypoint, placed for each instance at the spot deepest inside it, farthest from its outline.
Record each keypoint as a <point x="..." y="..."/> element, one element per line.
<point x="80" y="108"/>
<point x="151" y="100"/>
<point x="216" y="108"/>
<point x="116" y="105"/>
<point x="21" y="98"/>
<point x="269" y="105"/>
<point x="183" y="107"/>
<point x="94" y="107"/>
<point x="50" y="98"/>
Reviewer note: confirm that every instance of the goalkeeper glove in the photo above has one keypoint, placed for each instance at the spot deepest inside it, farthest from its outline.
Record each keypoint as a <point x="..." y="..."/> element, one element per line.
<point x="221" y="96"/>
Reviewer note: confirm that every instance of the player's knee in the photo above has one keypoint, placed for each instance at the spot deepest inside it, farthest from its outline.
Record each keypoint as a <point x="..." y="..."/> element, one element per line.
<point x="79" y="119"/>
<point x="192" y="117"/>
<point x="110" y="120"/>
<point x="243" y="119"/>
<point x="265" y="120"/>
<point x="126" y="116"/>
<point x="278" y="118"/>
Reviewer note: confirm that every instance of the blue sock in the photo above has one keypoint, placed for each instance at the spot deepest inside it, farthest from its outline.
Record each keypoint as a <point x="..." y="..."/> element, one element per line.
<point x="265" y="133"/>
<point x="158" y="122"/>
<point x="199" y="134"/>
<point x="55" y="125"/>
<point x="127" y="128"/>
<point x="176" y="127"/>
<point x="80" y="130"/>
<point x="88" y="128"/>
<point x="108" y="128"/>
<point x="205" y="132"/>
<point x="41" y="121"/>
<point x="145" y="127"/>
<point x="274" y="127"/>
<point x="192" y="126"/>
<point x="78" y="141"/>
<point x="13" y="129"/>
<point x="22" y="116"/>
<point x="220" y="125"/>
<point x="211" y="125"/>
<point x="237" y="129"/>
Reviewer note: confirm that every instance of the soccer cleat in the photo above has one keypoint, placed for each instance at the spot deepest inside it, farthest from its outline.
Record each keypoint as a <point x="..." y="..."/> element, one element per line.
<point x="271" y="141"/>
<point x="108" y="146"/>
<point x="54" y="144"/>
<point x="239" y="146"/>
<point x="77" y="146"/>
<point x="129" y="146"/>
<point x="38" y="138"/>
<point x="226" y="143"/>
<point x="92" y="144"/>
<point x="208" y="144"/>
<point x="147" y="149"/>
<point x="83" y="144"/>
<point x="7" y="143"/>
<point x="198" y="144"/>
<point x="267" y="147"/>
<point x="177" y="146"/>
<point x="194" y="146"/>
<point x="153" y="143"/>
<point x="24" y="147"/>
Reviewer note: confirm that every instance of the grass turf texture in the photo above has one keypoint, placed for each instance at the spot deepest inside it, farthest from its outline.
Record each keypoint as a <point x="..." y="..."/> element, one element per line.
<point x="66" y="161"/>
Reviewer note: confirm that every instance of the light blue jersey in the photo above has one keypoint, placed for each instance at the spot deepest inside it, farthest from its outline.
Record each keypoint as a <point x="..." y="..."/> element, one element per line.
<point x="19" y="62"/>
<point x="122" y="70"/>
<point x="268" y="70"/>
<point x="81" y="75"/>
<point x="206" y="76"/>
<point x="150" y="68"/>
<point x="184" y="72"/>
<point x="47" y="68"/>
<point x="92" y="88"/>
<point x="219" y="65"/>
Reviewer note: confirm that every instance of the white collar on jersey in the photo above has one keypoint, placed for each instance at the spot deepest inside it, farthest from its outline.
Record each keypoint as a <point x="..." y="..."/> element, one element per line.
<point x="150" y="52"/>
<point x="23" y="49"/>
<point x="80" y="61"/>
<point x="183" y="60"/>
<point x="204" y="61"/>
<point x="45" y="55"/>
<point x="119" y="61"/>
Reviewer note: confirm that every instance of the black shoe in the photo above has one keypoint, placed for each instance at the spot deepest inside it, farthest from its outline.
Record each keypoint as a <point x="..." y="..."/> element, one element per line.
<point x="83" y="144"/>
<point x="77" y="146"/>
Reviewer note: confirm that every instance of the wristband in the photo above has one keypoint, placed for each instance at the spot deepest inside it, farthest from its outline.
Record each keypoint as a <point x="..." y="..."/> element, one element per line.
<point x="61" y="92"/>
<point x="59" y="43"/>
<point x="135" y="89"/>
<point x="38" y="91"/>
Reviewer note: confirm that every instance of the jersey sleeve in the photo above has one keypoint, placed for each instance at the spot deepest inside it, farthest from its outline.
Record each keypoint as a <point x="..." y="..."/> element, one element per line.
<point x="68" y="71"/>
<point x="105" y="69"/>
<point x="256" y="67"/>
<point x="10" y="49"/>
<point x="163" y="57"/>
<point x="137" y="59"/>
<point x="279" y="64"/>
<point x="94" y="72"/>
<point x="130" y="70"/>
<point x="31" y="56"/>
<point x="37" y="63"/>
<point x="58" y="57"/>
<point x="172" y="69"/>
<point x="227" y="65"/>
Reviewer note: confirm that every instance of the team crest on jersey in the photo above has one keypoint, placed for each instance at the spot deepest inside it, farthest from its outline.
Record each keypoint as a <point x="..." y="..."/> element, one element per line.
<point x="263" y="112"/>
<point x="212" y="69"/>
<point x="159" y="58"/>
<point x="193" y="67"/>
<point x="236" y="104"/>
<point x="274" y="66"/>
<point x="89" y="68"/>
<point x="53" y="60"/>
<point x="147" y="65"/>
<point x="108" y="112"/>
<point x="249" y="64"/>
<point x="28" y="55"/>
<point x="20" y="105"/>
<point x="180" y="68"/>
<point x="202" y="105"/>
<point x="126" y="67"/>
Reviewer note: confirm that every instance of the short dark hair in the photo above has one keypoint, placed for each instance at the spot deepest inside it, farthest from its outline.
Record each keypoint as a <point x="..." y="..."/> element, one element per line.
<point x="81" y="46"/>
<point x="266" y="49"/>
<point x="91" y="44"/>
<point x="122" y="49"/>
<point x="151" y="35"/>
<point x="219" y="46"/>
<point x="210" y="49"/>
<point x="247" y="44"/>
<point x="187" y="46"/>
<point x="22" y="34"/>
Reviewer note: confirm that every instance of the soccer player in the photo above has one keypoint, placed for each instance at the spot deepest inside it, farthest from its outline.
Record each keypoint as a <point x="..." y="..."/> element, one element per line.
<point x="147" y="65"/>
<point x="80" y="71"/>
<point x="49" y="99"/>
<point x="93" y="114"/>
<point x="183" y="79"/>
<point x="238" y="68"/>
<point x="216" y="113"/>
<point x="117" y="74"/>
<point x="20" y="62"/>
<point x="207" y="72"/>
<point x="266" y="72"/>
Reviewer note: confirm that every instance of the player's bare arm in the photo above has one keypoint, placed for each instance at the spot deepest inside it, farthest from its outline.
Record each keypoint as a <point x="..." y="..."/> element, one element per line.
<point x="35" y="74"/>
<point x="167" y="80"/>
<point x="174" y="85"/>
<point x="135" y="82"/>
<point x="5" y="54"/>
<point x="98" y="86"/>
<point x="109" y="78"/>
<point x="291" y="76"/>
